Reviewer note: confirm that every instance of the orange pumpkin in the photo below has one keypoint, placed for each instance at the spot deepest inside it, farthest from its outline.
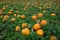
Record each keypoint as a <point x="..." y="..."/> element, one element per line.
<point x="23" y="16"/>
<point x="17" y="28"/>
<point x="40" y="32"/>
<point x="34" y="17"/>
<point x="15" y="14"/>
<point x="52" y="37"/>
<point x="9" y="12"/>
<point x="43" y="22"/>
<point x="40" y="15"/>
<point x="36" y="26"/>
<point x="13" y="19"/>
<point x="5" y="18"/>
<point x="53" y="14"/>
<point x="24" y="25"/>
<point x="25" y="31"/>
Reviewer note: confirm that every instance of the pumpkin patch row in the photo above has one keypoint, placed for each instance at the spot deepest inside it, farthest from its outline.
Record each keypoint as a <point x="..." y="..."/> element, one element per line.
<point x="36" y="27"/>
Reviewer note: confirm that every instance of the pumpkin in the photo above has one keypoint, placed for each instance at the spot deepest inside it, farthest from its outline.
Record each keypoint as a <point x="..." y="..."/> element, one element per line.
<point x="40" y="15"/>
<point x="40" y="32"/>
<point x="9" y="12"/>
<point x="25" y="31"/>
<point x="53" y="14"/>
<point x="22" y="16"/>
<point x="18" y="15"/>
<point x="44" y="11"/>
<point x="13" y="19"/>
<point x="5" y="18"/>
<point x="3" y="8"/>
<point x="34" y="17"/>
<point x="17" y="28"/>
<point x="6" y="6"/>
<point x="0" y="13"/>
<point x="15" y="14"/>
<point x="52" y="37"/>
<point x="24" y="25"/>
<point x="17" y="11"/>
<point x="43" y="22"/>
<point x="36" y="26"/>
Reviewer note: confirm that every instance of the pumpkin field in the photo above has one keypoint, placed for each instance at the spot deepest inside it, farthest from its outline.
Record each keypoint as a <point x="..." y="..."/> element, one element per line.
<point x="29" y="20"/>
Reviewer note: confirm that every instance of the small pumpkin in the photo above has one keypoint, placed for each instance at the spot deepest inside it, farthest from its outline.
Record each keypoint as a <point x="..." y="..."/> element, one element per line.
<point x="22" y="16"/>
<point x="36" y="26"/>
<point x="24" y="25"/>
<point x="18" y="15"/>
<point x="17" y="28"/>
<point x="13" y="19"/>
<point x="40" y="32"/>
<point x="34" y="17"/>
<point x="25" y="31"/>
<point x="40" y="15"/>
<point x="5" y="18"/>
<point x="4" y="8"/>
<point x="17" y="11"/>
<point x="44" y="11"/>
<point x="53" y="14"/>
<point x="9" y="12"/>
<point x="52" y="37"/>
<point x="15" y="14"/>
<point x="43" y="22"/>
<point x="1" y="10"/>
